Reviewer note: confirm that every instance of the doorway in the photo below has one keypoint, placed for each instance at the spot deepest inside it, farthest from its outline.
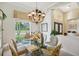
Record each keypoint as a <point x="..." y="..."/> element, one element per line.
<point x="58" y="27"/>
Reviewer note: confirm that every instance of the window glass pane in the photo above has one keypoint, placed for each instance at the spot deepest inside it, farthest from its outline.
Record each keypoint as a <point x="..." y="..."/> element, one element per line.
<point x="21" y="29"/>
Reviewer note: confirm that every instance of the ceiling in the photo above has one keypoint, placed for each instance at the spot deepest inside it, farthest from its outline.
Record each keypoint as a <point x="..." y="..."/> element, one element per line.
<point x="32" y="5"/>
<point x="64" y="6"/>
<point x="69" y="7"/>
<point x="40" y="5"/>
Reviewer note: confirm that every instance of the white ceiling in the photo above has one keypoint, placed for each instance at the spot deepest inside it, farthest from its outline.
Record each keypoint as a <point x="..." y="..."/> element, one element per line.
<point x="64" y="6"/>
<point x="40" y="5"/>
<point x="32" y="5"/>
<point x="68" y="7"/>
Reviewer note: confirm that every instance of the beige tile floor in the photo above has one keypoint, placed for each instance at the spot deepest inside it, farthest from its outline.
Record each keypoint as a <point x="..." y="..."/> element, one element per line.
<point x="64" y="53"/>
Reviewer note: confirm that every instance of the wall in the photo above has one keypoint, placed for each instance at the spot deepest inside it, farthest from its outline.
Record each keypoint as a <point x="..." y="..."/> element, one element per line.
<point x="9" y="22"/>
<point x="9" y="26"/>
<point x="35" y="27"/>
<point x="78" y="25"/>
<point x="47" y="20"/>
<point x="65" y="25"/>
<point x="73" y="14"/>
<point x="0" y="33"/>
<point x="74" y="23"/>
<point x="58" y="15"/>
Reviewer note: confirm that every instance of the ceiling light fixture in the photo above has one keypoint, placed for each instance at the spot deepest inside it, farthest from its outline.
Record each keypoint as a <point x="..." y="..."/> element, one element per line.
<point x="36" y="15"/>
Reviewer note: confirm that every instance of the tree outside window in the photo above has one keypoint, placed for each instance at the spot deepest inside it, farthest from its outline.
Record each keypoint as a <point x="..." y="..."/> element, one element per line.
<point x="21" y="29"/>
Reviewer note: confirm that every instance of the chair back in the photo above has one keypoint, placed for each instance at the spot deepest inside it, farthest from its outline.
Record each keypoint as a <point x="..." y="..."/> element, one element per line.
<point x="56" y="50"/>
<point x="13" y="51"/>
<point x="52" y="51"/>
<point x="14" y="43"/>
<point x="54" y="40"/>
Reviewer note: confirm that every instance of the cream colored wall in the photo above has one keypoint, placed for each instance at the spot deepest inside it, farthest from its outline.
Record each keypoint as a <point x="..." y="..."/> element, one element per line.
<point x="73" y="14"/>
<point x="77" y="25"/>
<point x="62" y="17"/>
<point x="9" y="25"/>
<point x="9" y="22"/>
<point x="65" y="25"/>
<point x="35" y="27"/>
<point x="52" y="20"/>
<point x="72" y="23"/>
<point x="47" y="20"/>
<point x="58" y="15"/>
<point x="0" y="33"/>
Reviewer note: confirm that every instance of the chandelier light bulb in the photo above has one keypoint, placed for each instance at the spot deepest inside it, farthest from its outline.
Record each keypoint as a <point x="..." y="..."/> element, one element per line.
<point x="36" y="16"/>
<point x="29" y="15"/>
<point x="43" y="15"/>
<point x="33" y="13"/>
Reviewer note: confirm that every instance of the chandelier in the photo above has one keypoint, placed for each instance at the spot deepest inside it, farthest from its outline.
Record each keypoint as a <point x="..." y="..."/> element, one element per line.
<point x="36" y="16"/>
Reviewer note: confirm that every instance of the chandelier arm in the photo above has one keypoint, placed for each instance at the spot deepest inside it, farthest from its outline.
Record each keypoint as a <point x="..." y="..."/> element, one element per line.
<point x="37" y="16"/>
<point x="33" y="18"/>
<point x="36" y="4"/>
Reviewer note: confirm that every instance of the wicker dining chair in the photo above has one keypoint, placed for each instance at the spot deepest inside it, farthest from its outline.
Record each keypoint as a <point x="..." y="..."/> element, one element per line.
<point x="52" y="51"/>
<point x="17" y="53"/>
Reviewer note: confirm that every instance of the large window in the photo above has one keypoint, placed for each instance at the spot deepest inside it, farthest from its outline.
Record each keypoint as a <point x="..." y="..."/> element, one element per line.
<point x="22" y="27"/>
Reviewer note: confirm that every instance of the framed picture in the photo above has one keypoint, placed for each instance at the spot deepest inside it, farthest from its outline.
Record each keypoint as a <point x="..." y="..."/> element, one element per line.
<point x="72" y="26"/>
<point x="44" y="27"/>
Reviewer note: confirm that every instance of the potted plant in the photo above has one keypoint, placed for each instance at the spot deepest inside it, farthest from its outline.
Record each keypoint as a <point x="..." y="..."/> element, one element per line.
<point x="53" y="35"/>
<point x="54" y="32"/>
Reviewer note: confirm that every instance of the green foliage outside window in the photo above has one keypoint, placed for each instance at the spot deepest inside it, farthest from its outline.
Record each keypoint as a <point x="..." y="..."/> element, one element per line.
<point x="20" y="29"/>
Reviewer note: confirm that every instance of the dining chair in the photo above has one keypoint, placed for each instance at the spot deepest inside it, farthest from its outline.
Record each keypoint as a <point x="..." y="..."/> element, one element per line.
<point x="18" y="47"/>
<point x="56" y="50"/>
<point x="17" y="53"/>
<point x="52" y="51"/>
<point x="53" y="41"/>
